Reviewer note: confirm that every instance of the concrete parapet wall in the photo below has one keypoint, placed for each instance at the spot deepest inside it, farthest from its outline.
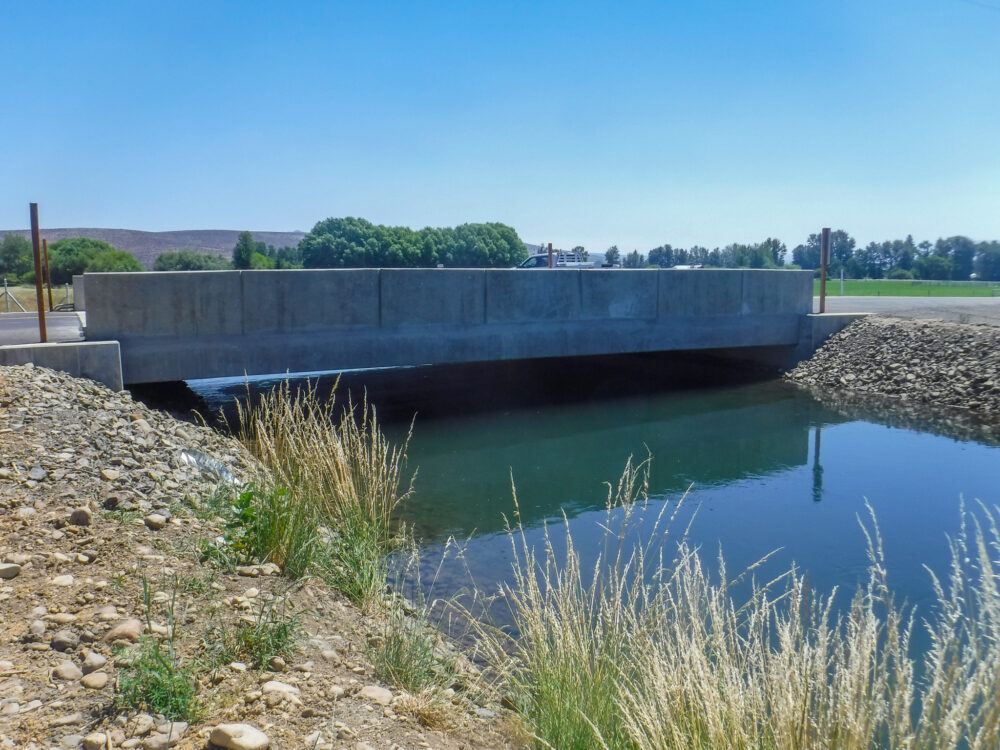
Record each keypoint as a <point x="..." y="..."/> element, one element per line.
<point x="187" y="325"/>
<point x="97" y="360"/>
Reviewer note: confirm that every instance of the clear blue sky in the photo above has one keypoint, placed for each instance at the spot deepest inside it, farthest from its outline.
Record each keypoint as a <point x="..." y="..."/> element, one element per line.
<point x="697" y="122"/>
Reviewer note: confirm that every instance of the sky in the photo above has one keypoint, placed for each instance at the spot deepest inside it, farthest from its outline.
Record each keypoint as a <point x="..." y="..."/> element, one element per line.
<point x="579" y="123"/>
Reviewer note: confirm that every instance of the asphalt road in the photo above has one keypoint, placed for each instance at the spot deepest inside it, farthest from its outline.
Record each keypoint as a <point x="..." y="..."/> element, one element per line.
<point x="22" y="328"/>
<point x="961" y="309"/>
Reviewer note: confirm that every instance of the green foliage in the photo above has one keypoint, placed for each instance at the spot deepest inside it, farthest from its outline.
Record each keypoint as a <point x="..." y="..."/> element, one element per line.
<point x="357" y="243"/>
<point x="269" y="523"/>
<point x="634" y="260"/>
<point x="74" y="255"/>
<point x="190" y="260"/>
<point x="15" y="257"/>
<point x="405" y="653"/>
<point x="113" y="260"/>
<point x="243" y="251"/>
<point x="272" y="633"/>
<point x="612" y="255"/>
<point x="154" y="680"/>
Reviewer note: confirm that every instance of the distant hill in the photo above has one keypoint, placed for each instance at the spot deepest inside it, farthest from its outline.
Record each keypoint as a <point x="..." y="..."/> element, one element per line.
<point x="147" y="246"/>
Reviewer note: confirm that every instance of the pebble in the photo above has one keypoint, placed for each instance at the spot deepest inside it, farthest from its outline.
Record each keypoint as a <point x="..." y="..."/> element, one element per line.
<point x="166" y="736"/>
<point x="37" y="473"/>
<point x="95" y="741"/>
<point x="378" y="694"/>
<point x="65" y="580"/>
<point x="95" y="680"/>
<point x="64" y="721"/>
<point x="239" y="737"/>
<point x="37" y="628"/>
<point x="64" y="640"/>
<point x="110" y="474"/>
<point x="9" y="571"/>
<point x="81" y="517"/>
<point x="129" y="630"/>
<point x="67" y="670"/>
<point x="93" y="661"/>
<point x="155" y="521"/>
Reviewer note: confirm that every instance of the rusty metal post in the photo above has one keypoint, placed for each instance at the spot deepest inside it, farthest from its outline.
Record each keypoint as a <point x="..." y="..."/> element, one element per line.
<point x="36" y="246"/>
<point x="550" y="255"/>
<point x="48" y="276"/>
<point x="824" y="259"/>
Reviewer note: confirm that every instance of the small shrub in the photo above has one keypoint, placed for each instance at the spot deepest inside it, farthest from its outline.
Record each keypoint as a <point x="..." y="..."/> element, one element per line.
<point x="273" y="633"/>
<point x="406" y="653"/>
<point x="154" y="681"/>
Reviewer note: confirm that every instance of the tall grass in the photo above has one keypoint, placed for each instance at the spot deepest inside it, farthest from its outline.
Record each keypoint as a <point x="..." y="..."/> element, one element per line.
<point x="639" y="651"/>
<point x="340" y="476"/>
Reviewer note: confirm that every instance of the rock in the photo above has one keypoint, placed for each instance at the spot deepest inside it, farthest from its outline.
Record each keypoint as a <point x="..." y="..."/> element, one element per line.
<point x="250" y="571"/>
<point x="95" y="741"/>
<point x="93" y="661"/>
<point x="9" y="571"/>
<point x="18" y="558"/>
<point x="95" y="680"/>
<point x="110" y="474"/>
<point x="67" y="670"/>
<point x="65" y="580"/>
<point x="81" y="517"/>
<point x="166" y="736"/>
<point x="129" y="630"/>
<point x="143" y="724"/>
<point x="274" y="686"/>
<point x="378" y="694"/>
<point x="64" y="640"/>
<point x="155" y="521"/>
<point x="239" y="737"/>
<point x="37" y="628"/>
<point x="65" y="721"/>
<point x="72" y="740"/>
<point x="37" y="473"/>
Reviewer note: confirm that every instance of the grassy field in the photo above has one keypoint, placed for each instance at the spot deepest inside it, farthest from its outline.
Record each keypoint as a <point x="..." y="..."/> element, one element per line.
<point x="887" y="288"/>
<point x="26" y="296"/>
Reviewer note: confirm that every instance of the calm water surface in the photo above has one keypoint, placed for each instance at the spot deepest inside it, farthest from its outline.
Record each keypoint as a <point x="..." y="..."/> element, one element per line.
<point x="765" y="467"/>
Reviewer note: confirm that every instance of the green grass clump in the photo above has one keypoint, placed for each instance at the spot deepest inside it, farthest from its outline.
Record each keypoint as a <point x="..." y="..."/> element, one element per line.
<point x="407" y="653"/>
<point x="640" y="651"/>
<point x="333" y="487"/>
<point x="153" y="677"/>
<point x="155" y="681"/>
<point x="272" y="633"/>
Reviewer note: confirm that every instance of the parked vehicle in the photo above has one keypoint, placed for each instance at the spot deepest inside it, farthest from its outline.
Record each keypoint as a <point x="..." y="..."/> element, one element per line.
<point x="560" y="259"/>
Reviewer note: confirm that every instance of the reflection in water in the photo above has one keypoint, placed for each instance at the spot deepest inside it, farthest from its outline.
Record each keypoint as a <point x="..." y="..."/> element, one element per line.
<point x="817" y="467"/>
<point x="561" y="431"/>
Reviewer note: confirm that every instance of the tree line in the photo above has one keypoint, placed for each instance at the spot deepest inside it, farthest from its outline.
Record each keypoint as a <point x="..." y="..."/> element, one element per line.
<point x="948" y="259"/>
<point x="357" y="243"/>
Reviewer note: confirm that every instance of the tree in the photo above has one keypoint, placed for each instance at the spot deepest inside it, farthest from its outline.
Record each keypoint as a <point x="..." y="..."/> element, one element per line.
<point x="190" y="260"/>
<point x="244" y="250"/>
<point x="113" y="260"/>
<point x="612" y="255"/>
<point x="988" y="261"/>
<point x="662" y="256"/>
<point x="935" y="267"/>
<point x="634" y="260"/>
<point x="73" y="255"/>
<point x="776" y="249"/>
<point x="962" y="252"/>
<point x="15" y="257"/>
<point x="581" y="252"/>
<point x="356" y="243"/>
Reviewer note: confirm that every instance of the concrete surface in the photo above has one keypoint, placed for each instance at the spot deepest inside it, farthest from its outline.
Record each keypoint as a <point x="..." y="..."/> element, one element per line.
<point x="97" y="360"/>
<point x="22" y="328"/>
<point x="179" y="326"/>
<point x="960" y="309"/>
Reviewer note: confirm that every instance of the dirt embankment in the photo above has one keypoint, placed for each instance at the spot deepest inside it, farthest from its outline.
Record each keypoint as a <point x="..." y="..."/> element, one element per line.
<point x="99" y="495"/>
<point x="913" y="372"/>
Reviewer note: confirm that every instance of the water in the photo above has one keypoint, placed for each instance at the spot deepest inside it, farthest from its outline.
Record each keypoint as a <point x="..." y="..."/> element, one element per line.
<point x="765" y="466"/>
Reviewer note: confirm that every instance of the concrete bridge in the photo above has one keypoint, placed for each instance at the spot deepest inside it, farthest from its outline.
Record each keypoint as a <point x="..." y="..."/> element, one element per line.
<point x="180" y="326"/>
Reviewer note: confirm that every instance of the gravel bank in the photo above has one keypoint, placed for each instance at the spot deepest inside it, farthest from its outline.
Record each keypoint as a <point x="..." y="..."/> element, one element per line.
<point x="97" y="493"/>
<point x="946" y="372"/>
